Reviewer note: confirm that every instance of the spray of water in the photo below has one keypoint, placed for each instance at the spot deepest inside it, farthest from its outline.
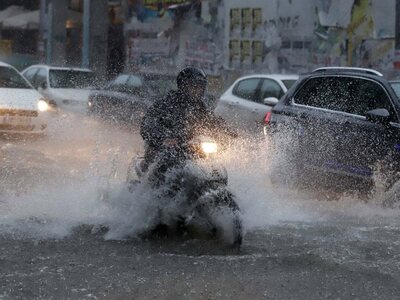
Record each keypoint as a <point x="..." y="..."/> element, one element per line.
<point x="77" y="176"/>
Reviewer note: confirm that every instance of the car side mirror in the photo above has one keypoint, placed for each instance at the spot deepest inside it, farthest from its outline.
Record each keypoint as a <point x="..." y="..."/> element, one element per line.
<point x="271" y="101"/>
<point x="379" y="115"/>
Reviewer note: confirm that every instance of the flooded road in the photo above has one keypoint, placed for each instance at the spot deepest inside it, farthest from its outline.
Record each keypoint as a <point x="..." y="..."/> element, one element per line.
<point x="65" y="218"/>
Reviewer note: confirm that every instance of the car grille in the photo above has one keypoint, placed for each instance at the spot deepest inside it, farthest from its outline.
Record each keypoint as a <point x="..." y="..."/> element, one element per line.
<point x="17" y="127"/>
<point x="17" y="112"/>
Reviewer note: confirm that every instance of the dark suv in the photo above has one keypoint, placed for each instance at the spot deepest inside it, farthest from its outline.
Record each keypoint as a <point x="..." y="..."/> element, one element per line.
<point x="338" y="126"/>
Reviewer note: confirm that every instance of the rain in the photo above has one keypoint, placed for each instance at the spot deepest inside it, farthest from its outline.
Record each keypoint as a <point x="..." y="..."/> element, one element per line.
<point x="287" y="184"/>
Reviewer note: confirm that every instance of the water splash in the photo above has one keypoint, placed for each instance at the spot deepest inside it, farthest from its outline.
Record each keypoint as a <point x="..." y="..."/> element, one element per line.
<point x="77" y="176"/>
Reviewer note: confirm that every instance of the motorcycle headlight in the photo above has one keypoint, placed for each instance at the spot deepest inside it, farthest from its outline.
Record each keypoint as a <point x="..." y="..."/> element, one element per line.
<point x="209" y="148"/>
<point x="43" y="105"/>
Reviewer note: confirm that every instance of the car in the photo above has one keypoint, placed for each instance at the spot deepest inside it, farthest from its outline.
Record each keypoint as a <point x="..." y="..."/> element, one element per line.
<point x="245" y="103"/>
<point x="127" y="97"/>
<point x="22" y="109"/>
<point x="337" y="127"/>
<point x="63" y="86"/>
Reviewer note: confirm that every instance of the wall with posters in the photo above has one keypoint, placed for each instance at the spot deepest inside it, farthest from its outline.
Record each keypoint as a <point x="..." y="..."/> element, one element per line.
<point x="203" y="54"/>
<point x="302" y="35"/>
<point x="364" y="39"/>
<point x="257" y="30"/>
<point x="149" y="43"/>
<point x="244" y="34"/>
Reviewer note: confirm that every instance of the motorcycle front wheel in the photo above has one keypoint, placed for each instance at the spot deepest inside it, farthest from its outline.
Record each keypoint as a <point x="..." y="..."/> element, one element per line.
<point x="224" y="214"/>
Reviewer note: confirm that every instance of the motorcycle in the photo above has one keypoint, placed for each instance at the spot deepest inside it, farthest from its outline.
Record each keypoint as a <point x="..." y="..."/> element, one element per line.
<point x="193" y="190"/>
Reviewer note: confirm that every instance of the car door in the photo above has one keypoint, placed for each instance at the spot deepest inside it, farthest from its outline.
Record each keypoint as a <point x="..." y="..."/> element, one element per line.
<point x="243" y="102"/>
<point x="315" y="121"/>
<point x="268" y="88"/>
<point x="365" y="142"/>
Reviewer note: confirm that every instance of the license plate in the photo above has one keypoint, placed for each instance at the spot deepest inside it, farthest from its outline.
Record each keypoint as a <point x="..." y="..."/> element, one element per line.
<point x="16" y="120"/>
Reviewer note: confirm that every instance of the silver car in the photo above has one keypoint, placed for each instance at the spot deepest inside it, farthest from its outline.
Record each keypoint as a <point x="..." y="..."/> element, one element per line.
<point x="245" y="103"/>
<point x="22" y="109"/>
<point x="62" y="85"/>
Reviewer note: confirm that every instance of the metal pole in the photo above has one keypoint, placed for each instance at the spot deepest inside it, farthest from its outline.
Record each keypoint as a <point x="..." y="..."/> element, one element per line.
<point x="86" y="33"/>
<point x="397" y="32"/>
<point x="42" y="30"/>
<point x="49" y="48"/>
<point x="397" y="37"/>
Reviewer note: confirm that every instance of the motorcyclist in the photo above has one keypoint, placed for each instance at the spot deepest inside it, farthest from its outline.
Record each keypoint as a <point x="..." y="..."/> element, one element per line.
<point x="175" y="119"/>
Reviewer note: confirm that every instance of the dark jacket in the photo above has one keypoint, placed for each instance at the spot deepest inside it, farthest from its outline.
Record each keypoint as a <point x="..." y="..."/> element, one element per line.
<point x="178" y="117"/>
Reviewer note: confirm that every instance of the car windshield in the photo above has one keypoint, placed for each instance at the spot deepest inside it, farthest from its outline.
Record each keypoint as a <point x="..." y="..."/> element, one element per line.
<point x="130" y="84"/>
<point x="71" y="79"/>
<point x="9" y="78"/>
<point x="396" y="88"/>
<point x="159" y="85"/>
<point x="288" y="82"/>
<point x="146" y="85"/>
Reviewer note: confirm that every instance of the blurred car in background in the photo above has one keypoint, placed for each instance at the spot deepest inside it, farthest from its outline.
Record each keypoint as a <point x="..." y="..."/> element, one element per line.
<point x="245" y="103"/>
<point x="22" y="108"/>
<point x="127" y="97"/>
<point x="62" y="85"/>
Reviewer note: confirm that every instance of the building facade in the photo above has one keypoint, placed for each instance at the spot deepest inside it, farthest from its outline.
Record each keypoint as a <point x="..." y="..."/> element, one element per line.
<point x="228" y="38"/>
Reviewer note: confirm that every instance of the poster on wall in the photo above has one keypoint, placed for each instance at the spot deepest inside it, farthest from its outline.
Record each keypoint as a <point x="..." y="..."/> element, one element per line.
<point x="202" y="54"/>
<point x="246" y="22"/>
<point x="146" y="9"/>
<point x="377" y="54"/>
<point x="234" y="53"/>
<point x="148" y="48"/>
<point x="234" y="27"/>
<point x="257" y="23"/>
<point x="257" y="52"/>
<point x="245" y="52"/>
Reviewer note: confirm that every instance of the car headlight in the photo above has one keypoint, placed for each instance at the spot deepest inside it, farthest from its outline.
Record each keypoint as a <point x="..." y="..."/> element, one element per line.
<point x="209" y="147"/>
<point x="43" y="105"/>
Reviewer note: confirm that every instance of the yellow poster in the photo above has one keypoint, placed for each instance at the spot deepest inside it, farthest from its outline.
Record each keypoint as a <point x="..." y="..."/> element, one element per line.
<point x="257" y="49"/>
<point x="245" y="52"/>
<point x="234" y="52"/>
<point x="360" y="28"/>
<point x="257" y="19"/>
<point x="246" y="21"/>
<point x="234" y="24"/>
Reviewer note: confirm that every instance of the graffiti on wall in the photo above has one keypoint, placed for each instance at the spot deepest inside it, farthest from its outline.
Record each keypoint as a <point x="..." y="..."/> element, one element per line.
<point x="202" y="54"/>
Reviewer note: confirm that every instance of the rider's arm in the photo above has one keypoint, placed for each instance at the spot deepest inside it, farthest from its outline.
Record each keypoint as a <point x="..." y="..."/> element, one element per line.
<point x="219" y="125"/>
<point x="156" y="125"/>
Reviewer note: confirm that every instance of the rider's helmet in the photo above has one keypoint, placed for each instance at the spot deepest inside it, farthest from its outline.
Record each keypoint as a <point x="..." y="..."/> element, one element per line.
<point x="190" y="77"/>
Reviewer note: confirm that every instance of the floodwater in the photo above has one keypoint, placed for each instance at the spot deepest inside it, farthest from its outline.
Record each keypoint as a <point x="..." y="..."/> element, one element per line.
<point x="68" y="224"/>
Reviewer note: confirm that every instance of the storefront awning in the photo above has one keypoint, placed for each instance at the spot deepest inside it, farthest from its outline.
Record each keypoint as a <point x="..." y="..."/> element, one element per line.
<point x="11" y="11"/>
<point x="28" y="20"/>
